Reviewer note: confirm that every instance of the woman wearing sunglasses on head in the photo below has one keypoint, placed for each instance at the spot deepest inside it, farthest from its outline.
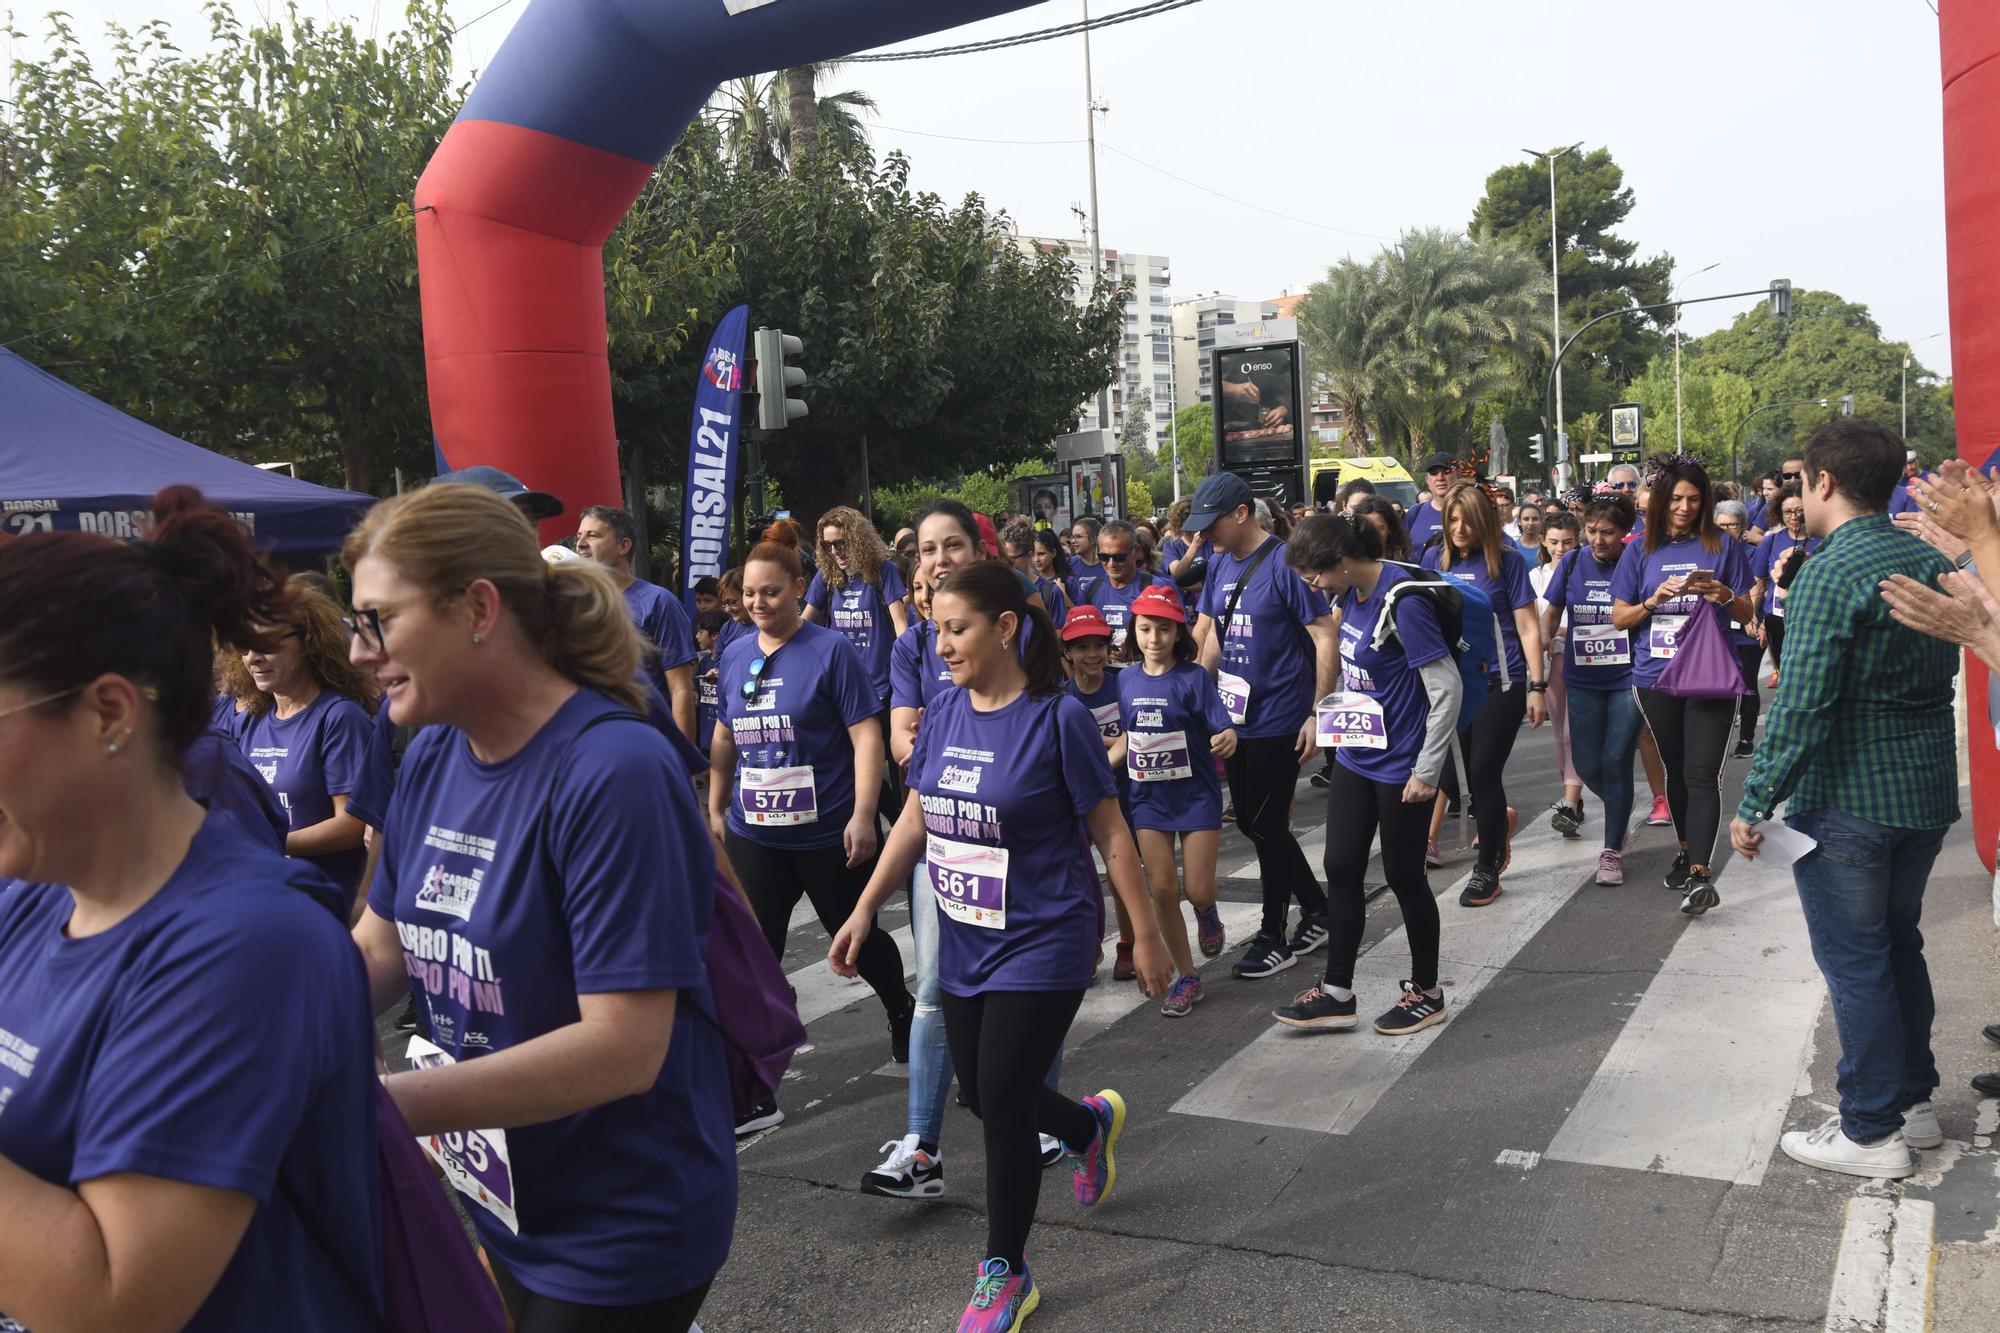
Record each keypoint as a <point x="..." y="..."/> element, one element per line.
<point x="797" y="762"/>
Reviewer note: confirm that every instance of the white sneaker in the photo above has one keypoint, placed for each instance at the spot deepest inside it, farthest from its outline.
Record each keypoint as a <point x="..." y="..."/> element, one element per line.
<point x="908" y="1173"/>
<point x="1920" y="1126"/>
<point x="1831" y="1150"/>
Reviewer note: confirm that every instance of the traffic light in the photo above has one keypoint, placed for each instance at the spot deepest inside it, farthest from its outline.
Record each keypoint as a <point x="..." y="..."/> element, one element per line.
<point x="776" y="408"/>
<point x="1535" y="450"/>
<point x="1781" y="297"/>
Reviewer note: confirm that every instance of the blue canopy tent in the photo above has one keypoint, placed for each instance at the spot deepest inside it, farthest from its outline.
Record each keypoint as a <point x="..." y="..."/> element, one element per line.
<point x="69" y="462"/>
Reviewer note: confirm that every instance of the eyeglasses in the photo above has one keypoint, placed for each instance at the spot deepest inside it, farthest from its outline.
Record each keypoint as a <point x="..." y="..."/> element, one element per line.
<point x="37" y="703"/>
<point x="1115" y="557"/>
<point x="366" y="625"/>
<point x="1793" y="513"/>
<point x="755" y="684"/>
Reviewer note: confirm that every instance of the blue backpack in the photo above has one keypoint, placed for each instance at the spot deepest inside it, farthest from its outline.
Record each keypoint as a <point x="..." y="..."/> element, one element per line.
<point x="1465" y="616"/>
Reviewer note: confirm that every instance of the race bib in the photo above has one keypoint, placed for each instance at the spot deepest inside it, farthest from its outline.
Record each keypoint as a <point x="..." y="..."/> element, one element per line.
<point x="1106" y="717"/>
<point x="970" y="881"/>
<point x="1663" y="635"/>
<point x="1778" y="602"/>
<point x="777" y="796"/>
<point x="475" y="1161"/>
<point x="1160" y="756"/>
<point x="709" y="696"/>
<point x="1235" y="692"/>
<point x="1350" y="720"/>
<point x="1600" y="645"/>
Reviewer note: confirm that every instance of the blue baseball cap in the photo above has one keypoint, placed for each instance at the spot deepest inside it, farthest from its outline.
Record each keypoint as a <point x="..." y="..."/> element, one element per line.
<point x="535" y="504"/>
<point x="1216" y="496"/>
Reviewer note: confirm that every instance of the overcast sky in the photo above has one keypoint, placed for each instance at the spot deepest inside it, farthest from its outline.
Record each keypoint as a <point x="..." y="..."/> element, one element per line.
<point x="1776" y="138"/>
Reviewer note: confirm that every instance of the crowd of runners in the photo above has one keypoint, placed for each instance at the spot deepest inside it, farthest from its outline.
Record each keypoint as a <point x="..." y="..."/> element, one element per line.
<point x="495" y="800"/>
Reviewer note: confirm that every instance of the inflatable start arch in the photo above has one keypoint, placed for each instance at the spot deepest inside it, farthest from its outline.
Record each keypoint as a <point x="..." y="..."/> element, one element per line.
<point x="1969" y="36"/>
<point x="560" y="134"/>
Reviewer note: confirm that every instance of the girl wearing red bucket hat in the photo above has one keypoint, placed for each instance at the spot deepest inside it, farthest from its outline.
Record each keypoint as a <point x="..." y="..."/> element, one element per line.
<point x="1175" y="726"/>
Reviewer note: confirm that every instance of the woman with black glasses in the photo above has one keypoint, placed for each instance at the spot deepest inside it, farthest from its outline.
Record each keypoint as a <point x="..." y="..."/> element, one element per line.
<point x="797" y="773"/>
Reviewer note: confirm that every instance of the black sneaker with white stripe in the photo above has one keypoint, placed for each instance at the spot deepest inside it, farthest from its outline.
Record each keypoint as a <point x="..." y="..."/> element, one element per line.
<point x="1316" y="1011"/>
<point x="1700" y="894"/>
<point x="1413" y="1013"/>
<point x="1677" y="874"/>
<point x="1267" y="955"/>
<point x="1310" y="935"/>
<point x="765" y="1116"/>
<point x="911" y="1171"/>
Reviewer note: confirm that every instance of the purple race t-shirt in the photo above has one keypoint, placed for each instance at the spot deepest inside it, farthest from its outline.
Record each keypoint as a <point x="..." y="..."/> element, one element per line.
<point x="1420" y="522"/>
<point x="309" y="758"/>
<point x="1764" y="565"/>
<point x="1004" y="796"/>
<point x="217" y="1036"/>
<point x="1900" y="499"/>
<point x="662" y="622"/>
<point x="217" y="776"/>
<point x="794" y="757"/>
<point x="519" y="885"/>
<point x="1509" y="592"/>
<point x="1596" y="656"/>
<point x="859" y="610"/>
<point x="1103" y="705"/>
<point x="1168" y="719"/>
<point x="707" y="697"/>
<point x="917" y="674"/>
<point x="376" y="782"/>
<point x="732" y="630"/>
<point x="1656" y="638"/>
<point x="1265" y="647"/>
<point x="1389" y="676"/>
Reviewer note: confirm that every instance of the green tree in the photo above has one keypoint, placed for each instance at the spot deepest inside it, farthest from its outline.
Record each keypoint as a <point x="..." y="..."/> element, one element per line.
<point x="220" y="243"/>
<point x="770" y="122"/>
<point x="1135" y="436"/>
<point x="1713" y="401"/>
<point x="1347" y="347"/>
<point x="1600" y="272"/>
<point x="1825" y="348"/>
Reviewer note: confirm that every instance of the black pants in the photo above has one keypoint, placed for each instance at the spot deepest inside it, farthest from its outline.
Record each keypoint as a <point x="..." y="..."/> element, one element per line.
<point x="1263" y="777"/>
<point x="1692" y="735"/>
<point x="892" y="772"/>
<point x="1774" y="630"/>
<point x="1748" y="655"/>
<point x="1002" y="1043"/>
<point x="1488" y="743"/>
<point x="1356" y="809"/>
<point x="535" y="1313"/>
<point x="775" y="878"/>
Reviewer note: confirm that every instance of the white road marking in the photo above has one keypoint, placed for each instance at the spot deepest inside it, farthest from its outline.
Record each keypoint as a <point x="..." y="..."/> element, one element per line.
<point x="1737" y="999"/>
<point x="1519" y="1158"/>
<point x="820" y="992"/>
<point x="1882" y="1277"/>
<point x="1329" y="1082"/>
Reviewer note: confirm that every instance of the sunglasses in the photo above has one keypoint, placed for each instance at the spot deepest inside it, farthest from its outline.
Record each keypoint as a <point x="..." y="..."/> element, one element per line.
<point x="1791" y="476"/>
<point x="1116" y="557"/>
<point x="838" y="548"/>
<point x="1624" y="485"/>
<point x="755" y="684"/>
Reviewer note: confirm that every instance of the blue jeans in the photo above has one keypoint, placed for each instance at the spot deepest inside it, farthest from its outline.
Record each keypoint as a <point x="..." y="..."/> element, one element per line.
<point x="1862" y="890"/>
<point x="930" y="1053"/>
<point x="1603" y="733"/>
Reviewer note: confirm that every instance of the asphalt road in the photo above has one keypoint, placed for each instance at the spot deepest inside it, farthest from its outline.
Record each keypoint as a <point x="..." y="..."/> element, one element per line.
<point x="1590" y="1143"/>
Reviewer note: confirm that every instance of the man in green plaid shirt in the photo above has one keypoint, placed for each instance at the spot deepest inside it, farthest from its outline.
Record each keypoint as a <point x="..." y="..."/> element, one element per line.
<point x="1863" y="742"/>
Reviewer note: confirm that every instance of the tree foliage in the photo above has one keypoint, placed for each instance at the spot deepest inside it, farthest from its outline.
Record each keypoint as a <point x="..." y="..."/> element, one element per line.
<point x="1600" y="272"/>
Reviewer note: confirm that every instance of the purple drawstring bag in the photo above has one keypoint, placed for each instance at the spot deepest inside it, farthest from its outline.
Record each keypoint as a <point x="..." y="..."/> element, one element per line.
<point x="1704" y="665"/>
<point x="754" y="1007"/>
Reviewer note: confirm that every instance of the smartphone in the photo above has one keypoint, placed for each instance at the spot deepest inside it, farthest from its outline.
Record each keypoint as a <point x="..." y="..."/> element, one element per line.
<point x="1701" y="576"/>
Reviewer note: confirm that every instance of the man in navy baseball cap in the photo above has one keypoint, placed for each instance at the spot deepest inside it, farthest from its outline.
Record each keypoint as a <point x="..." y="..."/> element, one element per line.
<point x="537" y="505"/>
<point x="1218" y="495"/>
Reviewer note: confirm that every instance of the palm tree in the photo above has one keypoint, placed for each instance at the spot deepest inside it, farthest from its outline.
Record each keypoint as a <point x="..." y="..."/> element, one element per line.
<point x="1346" y="356"/>
<point x="771" y="123"/>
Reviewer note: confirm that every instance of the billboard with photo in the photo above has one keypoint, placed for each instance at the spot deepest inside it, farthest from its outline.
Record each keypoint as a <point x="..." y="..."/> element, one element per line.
<point x="1045" y="500"/>
<point x="1097" y="487"/>
<point x="1258" y="413"/>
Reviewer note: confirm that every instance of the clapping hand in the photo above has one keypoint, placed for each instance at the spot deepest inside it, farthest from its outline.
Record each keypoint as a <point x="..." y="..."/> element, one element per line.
<point x="1964" y="613"/>
<point x="1959" y="499"/>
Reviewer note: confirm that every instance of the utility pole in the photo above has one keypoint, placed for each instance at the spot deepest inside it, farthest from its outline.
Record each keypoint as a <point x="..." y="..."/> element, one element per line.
<point x="1096" y="237"/>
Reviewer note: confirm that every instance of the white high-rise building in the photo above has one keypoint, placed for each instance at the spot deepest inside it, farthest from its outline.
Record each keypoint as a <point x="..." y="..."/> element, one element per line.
<point x="1194" y="324"/>
<point x="1146" y="351"/>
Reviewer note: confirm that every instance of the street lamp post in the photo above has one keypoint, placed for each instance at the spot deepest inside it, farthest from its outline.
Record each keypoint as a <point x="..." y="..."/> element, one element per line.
<point x="1678" y="446"/>
<point x="1845" y="400"/>
<point x="1905" y="378"/>
<point x="1555" y="290"/>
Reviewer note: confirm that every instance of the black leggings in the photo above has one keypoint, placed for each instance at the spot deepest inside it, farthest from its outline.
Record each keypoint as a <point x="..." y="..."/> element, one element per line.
<point x="1002" y="1043"/>
<point x="1356" y="807"/>
<point x="535" y="1313"/>
<point x="1263" y="777"/>
<point x="1692" y="735"/>
<point x="1488" y="744"/>
<point x="775" y="878"/>
<point x="1774" y="630"/>
<point x="1748" y="655"/>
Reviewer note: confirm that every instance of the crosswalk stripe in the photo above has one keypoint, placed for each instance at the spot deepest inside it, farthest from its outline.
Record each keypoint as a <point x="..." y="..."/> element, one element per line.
<point x="820" y="992"/>
<point x="1737" y="1000"/>
<point x="1329" y="1082"/>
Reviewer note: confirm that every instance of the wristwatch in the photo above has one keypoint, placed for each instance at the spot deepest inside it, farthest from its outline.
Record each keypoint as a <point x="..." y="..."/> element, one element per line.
<point x="1538" y="687"/>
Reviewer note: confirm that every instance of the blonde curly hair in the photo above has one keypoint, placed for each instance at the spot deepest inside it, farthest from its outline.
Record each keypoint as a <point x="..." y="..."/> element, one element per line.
<point x="866" y="553"/>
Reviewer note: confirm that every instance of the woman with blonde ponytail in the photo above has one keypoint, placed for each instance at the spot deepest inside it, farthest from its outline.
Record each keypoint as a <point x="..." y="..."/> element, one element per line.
<point x="546" y="896"/>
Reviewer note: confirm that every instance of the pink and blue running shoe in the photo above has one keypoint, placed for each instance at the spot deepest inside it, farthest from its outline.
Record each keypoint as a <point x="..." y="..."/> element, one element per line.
<point x="1096" y="1172"/>
<point x="1002" y="1299"/>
